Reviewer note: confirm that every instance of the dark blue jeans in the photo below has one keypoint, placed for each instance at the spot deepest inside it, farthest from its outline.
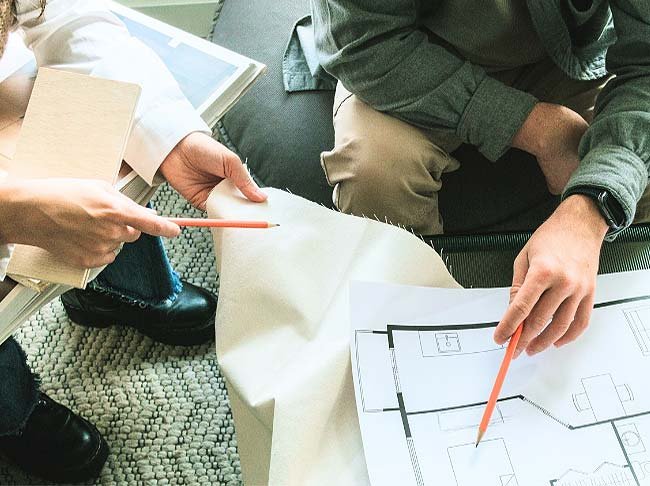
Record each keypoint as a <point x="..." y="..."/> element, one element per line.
<point x="140" y="273"/>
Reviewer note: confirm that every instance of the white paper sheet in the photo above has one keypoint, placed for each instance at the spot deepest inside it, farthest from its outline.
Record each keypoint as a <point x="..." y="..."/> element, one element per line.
<point x="424" y="362"/>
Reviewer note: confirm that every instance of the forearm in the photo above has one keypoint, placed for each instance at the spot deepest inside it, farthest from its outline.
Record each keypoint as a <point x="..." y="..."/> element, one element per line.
<point x="11" y="201"/>
<point x="378" y="52"/>
<point x="9" y="212"/>
<point x="581" y="211"/>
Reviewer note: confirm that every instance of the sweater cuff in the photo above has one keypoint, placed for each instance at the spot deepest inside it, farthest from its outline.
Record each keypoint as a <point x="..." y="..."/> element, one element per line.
<point x="616" y="169"/>
<point x="493" y="116"/>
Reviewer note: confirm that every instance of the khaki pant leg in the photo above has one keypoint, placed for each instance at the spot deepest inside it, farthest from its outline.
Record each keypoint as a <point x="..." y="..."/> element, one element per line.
<point x="384" y="168"/>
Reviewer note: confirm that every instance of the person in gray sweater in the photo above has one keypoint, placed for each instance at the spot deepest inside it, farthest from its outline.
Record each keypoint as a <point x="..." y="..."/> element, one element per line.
<point x="568" y="82"/>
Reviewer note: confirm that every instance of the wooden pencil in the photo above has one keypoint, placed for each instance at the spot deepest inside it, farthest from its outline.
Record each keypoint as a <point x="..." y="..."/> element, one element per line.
<point x="221" y="223"/>
<point x="498" y="384"/>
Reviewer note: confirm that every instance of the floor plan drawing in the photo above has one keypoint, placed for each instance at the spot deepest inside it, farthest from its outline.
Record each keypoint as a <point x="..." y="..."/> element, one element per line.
<point x="639" y="320"/>
<point x="574" y="416"/>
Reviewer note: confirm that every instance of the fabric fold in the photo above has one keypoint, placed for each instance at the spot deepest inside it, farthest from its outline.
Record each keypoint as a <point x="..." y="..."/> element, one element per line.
<point x="283" y="329"/>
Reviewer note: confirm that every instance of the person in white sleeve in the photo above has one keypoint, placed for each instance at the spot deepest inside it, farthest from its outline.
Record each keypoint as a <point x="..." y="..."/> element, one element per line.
<point x="86" y="221"/>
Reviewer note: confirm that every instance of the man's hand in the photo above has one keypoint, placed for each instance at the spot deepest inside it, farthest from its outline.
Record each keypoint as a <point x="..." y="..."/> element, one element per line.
<point x="552" y="134"/>
<point x="555" y="277"/>
<point x="83" y="221"/>
<point x="198" y="163"/>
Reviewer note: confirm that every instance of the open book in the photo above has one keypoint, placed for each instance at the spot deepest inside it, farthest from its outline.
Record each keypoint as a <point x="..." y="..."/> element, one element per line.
<point x="211" y="77"/>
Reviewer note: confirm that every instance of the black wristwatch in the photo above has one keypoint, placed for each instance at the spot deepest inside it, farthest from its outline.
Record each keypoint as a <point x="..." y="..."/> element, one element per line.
<point x="608" y="206"/>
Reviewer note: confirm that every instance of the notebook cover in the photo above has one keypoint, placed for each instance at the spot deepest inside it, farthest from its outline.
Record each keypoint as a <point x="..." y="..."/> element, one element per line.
<point x="76" y="126"/>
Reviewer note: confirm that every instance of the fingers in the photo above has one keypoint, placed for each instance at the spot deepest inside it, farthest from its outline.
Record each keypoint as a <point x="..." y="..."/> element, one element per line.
<point x="561" y="322"/>
<point x="130" y="235"/>
<point x="89" y="259"/>
<point x="141" y="219"/>
<point x="580" y="322"/>
<point x="521" y="304"/>
<point x="235" y="171"/>
<point x="539" y="317"/>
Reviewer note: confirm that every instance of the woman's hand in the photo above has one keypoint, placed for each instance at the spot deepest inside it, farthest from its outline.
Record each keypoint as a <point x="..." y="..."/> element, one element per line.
<point x="83" y="221"/>
<point x="198" y="163"/>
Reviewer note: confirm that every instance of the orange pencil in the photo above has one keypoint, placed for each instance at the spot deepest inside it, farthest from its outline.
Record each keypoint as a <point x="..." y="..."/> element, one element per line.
<point x="501" y="376"/>
<point x="221" y="223"/>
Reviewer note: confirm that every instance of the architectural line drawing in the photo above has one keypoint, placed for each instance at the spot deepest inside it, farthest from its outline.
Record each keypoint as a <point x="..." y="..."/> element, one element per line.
<point x="639" y="321"/>
<point x="594" y="431"/>
<point x="495" y="467"/>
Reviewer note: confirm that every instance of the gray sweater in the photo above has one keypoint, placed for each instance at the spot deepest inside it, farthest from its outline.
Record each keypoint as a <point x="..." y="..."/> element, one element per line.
<point x="377" y="50"/>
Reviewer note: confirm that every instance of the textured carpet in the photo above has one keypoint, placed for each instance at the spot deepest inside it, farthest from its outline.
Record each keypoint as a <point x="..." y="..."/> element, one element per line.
<point x="163" y="410"/>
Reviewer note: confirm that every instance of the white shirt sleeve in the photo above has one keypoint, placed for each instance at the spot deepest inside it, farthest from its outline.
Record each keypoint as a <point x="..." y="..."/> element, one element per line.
<point x="85" y="37"/>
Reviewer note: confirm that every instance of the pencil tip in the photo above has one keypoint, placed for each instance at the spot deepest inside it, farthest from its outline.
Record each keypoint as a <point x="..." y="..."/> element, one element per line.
<point x="479" y="437"/>
<point x="273" y="225"/>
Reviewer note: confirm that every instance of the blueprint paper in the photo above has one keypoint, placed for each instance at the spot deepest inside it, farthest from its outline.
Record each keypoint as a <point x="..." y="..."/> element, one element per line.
<point x="424" y="362"/>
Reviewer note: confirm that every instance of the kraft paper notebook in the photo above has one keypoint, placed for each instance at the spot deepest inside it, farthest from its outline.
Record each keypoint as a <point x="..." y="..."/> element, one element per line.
<point x="81" y="135"/>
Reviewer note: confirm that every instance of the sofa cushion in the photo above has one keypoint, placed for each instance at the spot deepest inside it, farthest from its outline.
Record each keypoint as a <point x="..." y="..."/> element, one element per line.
<point x="282" y="134"/>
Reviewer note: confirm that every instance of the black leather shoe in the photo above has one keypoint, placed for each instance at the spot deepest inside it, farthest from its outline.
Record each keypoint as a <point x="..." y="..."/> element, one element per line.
<point x="187" y="321"/>
<point x="57" y="445"/>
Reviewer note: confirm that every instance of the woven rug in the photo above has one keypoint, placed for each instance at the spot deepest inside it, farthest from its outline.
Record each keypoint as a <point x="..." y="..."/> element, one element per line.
<point x="163" y="410"/>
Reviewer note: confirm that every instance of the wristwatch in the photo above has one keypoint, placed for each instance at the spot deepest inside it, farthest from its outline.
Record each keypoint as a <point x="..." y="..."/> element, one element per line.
<point x="608" y="206"/>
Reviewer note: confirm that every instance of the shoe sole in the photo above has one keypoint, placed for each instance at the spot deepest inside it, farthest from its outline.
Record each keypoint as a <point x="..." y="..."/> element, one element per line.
<point x="186" y="337"/>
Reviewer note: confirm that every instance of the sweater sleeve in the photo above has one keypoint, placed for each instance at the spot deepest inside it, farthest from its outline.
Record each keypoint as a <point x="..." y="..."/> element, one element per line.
<point x="375" y="48"/>
<point x="615" y="151"/>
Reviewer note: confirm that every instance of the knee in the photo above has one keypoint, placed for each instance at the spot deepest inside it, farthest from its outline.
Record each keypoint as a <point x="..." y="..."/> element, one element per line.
<point x="361" y="171"/>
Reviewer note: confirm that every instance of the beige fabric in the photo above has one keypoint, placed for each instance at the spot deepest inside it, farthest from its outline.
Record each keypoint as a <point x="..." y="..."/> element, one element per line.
<point x="385" y="167"/>
<point x="283" y="330"/>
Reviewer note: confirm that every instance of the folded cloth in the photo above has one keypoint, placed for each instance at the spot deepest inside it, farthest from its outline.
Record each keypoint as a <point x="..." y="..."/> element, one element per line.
<point x="283" y="329"/>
